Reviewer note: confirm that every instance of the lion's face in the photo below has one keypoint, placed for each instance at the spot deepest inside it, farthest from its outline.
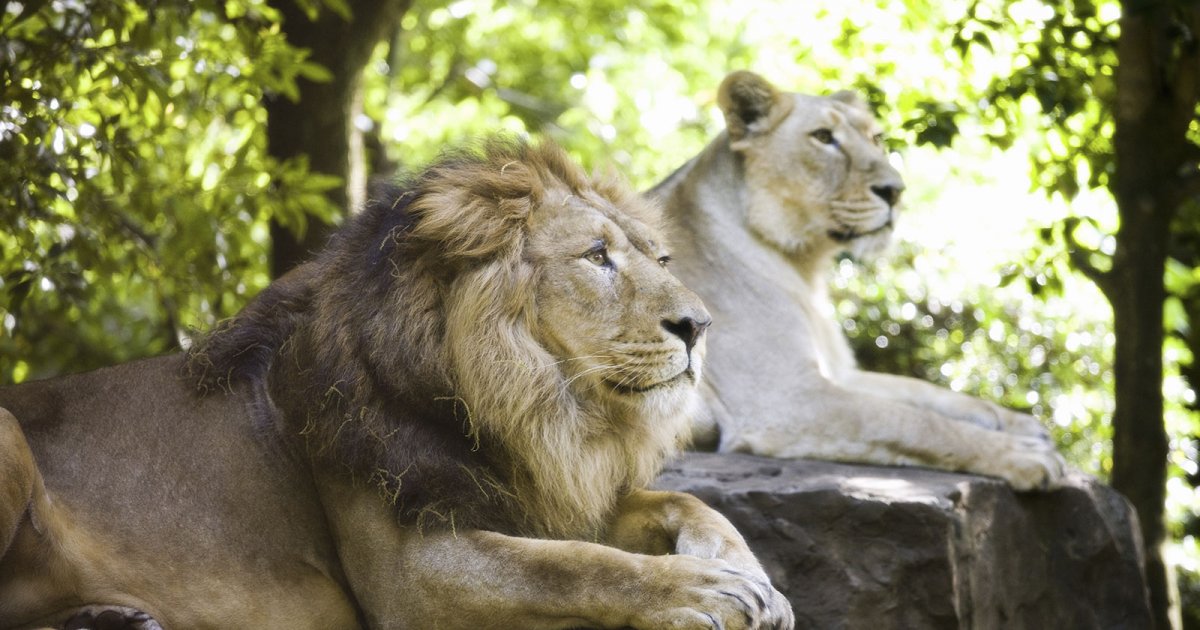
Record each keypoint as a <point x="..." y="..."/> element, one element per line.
<point x="622" y="327"/>
<point x="816" y="168"/>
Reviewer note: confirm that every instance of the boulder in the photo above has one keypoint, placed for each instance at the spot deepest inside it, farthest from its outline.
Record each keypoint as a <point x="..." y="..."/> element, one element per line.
<point x="880" y="548"/>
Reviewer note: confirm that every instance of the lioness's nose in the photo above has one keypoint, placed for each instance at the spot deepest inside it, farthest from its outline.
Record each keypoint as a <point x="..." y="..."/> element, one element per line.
<point x="688" y="329"/>
<point x="889" y="193"/>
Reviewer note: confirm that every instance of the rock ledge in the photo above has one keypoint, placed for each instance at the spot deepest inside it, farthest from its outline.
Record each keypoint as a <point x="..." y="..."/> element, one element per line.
<point x="881" y="548"/>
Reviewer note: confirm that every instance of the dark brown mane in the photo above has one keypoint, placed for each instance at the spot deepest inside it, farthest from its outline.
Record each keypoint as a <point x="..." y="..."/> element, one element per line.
<point x="346" y="353"/>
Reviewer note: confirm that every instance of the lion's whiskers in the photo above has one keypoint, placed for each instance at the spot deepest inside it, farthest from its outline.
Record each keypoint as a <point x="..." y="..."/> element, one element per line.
<point x="591" y="370"/>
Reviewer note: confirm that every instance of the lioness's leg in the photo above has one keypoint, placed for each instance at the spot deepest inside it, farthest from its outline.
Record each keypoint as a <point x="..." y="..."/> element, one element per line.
<point x="842" y="425"/>
<point x="947" y="402"/>
<point x="403" y="578"/>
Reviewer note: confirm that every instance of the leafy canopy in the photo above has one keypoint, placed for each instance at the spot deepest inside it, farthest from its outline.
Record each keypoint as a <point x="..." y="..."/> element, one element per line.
<point x="138" y="187"/>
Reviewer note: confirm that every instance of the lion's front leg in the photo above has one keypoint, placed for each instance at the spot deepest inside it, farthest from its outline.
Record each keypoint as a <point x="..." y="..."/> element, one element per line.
<point x="657" y="522"/>
<point x="37" y="562"/>
<point x="483" y="579"/>
<point x="408" y="579"/>
<point x="19" y="478"/>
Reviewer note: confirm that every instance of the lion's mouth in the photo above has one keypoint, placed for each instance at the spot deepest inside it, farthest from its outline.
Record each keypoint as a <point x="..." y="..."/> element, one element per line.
<point x="633" y="390"/>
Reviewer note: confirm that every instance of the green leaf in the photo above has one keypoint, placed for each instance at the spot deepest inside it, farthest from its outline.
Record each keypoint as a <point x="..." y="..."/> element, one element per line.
<point x="314" y="72"/>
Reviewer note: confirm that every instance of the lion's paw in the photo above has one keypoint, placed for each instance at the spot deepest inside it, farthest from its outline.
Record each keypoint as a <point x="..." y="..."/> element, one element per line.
<point x="709" y="594"/>
<point x="110" y="618"/>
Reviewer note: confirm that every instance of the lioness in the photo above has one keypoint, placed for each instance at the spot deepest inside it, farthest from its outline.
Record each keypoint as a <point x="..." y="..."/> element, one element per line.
<point x="444" y="421"/>
<point x="793" y="180"/>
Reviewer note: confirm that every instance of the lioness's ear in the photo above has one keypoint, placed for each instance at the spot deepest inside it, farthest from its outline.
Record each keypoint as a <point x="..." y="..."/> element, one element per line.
<point x="751" y="105"/>
<point x="851" y="98"/>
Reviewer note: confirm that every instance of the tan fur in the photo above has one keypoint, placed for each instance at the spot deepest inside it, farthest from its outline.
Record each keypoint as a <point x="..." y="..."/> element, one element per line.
<point x="795" y="180"/>
<point x="444" y="421"/>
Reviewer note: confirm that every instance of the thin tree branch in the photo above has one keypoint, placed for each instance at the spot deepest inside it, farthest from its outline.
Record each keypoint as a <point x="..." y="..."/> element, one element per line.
<point x="1080" y="256"/>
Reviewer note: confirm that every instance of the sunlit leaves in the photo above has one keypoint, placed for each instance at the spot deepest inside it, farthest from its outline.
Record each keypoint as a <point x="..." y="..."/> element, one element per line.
<point x="579" y="73"/>
<point x="137" y="187"/>
<point x="933" y="123"/>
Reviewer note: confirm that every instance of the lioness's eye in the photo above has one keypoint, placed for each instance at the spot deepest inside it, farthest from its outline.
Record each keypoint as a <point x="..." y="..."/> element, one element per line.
<point x="878" y="138"/>
<point x="598" y="256"/>
<point x="824" y="136"/>
<point x="663" y="260"/>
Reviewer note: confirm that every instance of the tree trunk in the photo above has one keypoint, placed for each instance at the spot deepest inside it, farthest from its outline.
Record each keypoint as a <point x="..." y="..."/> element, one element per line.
<point x="1139" y="436"/>
<point x="321" y="123"/>
<point x="1156" y="99"/>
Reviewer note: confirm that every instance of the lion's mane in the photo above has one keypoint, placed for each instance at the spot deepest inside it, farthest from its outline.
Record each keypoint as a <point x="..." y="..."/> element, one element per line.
<point x="404" y="352"/>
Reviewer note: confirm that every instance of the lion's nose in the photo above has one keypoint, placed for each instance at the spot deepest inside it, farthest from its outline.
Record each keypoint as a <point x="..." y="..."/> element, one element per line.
<point x="688" y="329"/>
<point x="889" y="193"/>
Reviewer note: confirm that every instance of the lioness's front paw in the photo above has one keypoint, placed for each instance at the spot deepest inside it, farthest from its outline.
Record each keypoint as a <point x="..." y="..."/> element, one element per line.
<point x="1032" y="464"/>
<point x="1019" y="423"/>
<point x="709" y="594"/>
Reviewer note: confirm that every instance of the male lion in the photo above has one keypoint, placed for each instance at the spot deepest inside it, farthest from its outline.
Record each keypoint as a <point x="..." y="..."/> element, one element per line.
<point x="792" y="181"/>
<point x="444" y="421"/>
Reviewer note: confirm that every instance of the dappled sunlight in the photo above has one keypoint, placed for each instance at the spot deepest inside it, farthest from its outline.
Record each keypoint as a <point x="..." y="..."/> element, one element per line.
<point x="888" y="489"/>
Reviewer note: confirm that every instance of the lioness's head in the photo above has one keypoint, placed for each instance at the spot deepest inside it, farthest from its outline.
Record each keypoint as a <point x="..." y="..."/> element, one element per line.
<point x="818" y="176"/>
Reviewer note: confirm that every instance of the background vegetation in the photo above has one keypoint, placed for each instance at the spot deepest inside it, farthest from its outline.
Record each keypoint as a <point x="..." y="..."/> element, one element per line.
<point x="162" y="160"/>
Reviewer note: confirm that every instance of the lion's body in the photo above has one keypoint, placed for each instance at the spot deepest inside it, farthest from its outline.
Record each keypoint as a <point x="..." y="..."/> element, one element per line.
<point x="759" y="213"/>
<point x="243" y="525"/>
<point x="428" y="426"/>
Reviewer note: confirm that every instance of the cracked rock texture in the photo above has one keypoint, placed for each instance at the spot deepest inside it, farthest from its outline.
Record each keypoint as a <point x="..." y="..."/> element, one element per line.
<point x="881" y="548"/>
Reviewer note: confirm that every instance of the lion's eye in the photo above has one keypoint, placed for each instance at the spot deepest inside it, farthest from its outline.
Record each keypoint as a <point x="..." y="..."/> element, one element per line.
<point x="664" y="260"/>
<point x="878" y="139"/>
<point x="824" y="136"/>
<point x="598" y="256"/>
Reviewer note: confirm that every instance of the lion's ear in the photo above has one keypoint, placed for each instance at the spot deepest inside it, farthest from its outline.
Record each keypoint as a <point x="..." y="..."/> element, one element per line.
<point x="751" y="106"/>
<point x="475" y="213"/>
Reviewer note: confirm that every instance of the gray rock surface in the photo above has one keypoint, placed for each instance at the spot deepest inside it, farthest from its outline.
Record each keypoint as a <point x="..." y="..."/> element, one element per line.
<point x="882" y="548"/>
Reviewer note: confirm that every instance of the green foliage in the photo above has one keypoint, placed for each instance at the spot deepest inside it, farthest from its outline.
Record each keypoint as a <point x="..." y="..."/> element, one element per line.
<point x="577" y="73"/>
<point x="634" y="85"/>
<point x="1060" y="58"/>
<point x="1062" y="78"/>
<point x="137" y="186"/>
